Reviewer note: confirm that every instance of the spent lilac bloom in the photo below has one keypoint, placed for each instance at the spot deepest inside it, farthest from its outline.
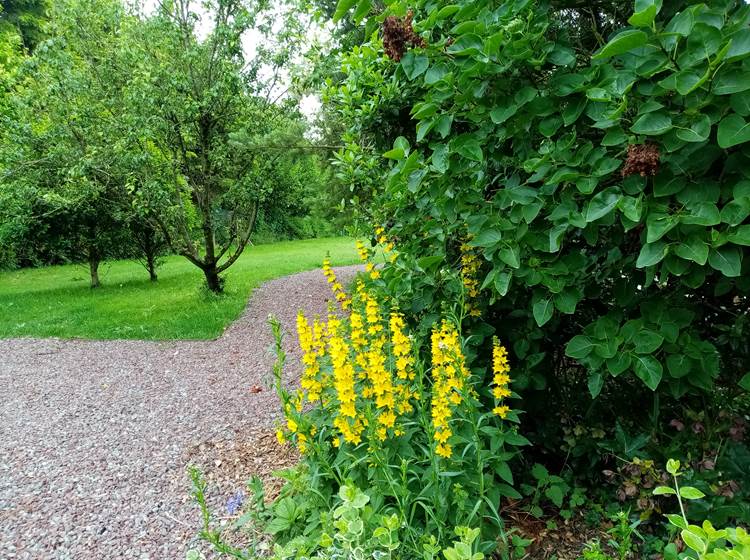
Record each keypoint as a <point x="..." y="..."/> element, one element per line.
<point x="235" y="502"/>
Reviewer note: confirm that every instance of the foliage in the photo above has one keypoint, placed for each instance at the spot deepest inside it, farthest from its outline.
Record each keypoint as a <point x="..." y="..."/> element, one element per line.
<point x="620" y="542"/>
<point x="56" y="301"/>
<point x="426" y="440"/>
<point x="122" y="124"/>
<point x="61" y="177"/>
<point x="357" y="531"/>
<point x="705" y="541"/>
<point x="218" y="145"/>
<point x="602" y="183"/>
<point x="28" y="17"/>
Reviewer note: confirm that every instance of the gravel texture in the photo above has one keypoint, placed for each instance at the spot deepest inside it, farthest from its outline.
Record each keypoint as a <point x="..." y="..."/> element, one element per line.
<point x="95" y="436"/>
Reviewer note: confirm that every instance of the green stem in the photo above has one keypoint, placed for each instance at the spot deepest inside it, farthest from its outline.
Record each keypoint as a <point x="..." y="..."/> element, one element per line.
<point x="679" y="499"/>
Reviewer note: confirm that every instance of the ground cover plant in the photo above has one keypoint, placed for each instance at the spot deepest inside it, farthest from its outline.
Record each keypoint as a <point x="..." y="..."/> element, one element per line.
<point x="57" y="301"/>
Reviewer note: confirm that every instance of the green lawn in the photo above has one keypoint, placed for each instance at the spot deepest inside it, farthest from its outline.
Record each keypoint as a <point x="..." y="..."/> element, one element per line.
<point x="56" y="301"/>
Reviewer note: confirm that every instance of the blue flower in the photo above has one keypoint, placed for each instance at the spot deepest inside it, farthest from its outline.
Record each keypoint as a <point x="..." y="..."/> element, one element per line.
<point x="235" y="502"/>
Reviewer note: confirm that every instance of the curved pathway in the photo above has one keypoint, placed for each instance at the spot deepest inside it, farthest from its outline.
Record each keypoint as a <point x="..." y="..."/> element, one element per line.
<point x="95" y="435"/>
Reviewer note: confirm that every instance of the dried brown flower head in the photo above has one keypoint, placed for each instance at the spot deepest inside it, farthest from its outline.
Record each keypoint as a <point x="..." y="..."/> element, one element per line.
<point x="643" y="160"/>
<point x="398" y="35"/>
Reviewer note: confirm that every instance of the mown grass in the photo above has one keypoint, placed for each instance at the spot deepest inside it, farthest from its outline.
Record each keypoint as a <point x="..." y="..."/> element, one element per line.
<point x="57" y="301"/>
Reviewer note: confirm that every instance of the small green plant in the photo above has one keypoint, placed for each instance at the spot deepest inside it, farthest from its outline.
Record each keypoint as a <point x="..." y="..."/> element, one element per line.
<point x="518" y="546"/>
<point x="547" y="485"/>
<point x="593" y="551"/>
<point x="619" y="545"/>
<point x="621" y="535"/>
<point x="705" y="541"/>
<point x="463" y="549"/>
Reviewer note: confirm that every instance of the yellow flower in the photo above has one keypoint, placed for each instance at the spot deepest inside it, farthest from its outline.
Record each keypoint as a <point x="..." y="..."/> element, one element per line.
<point x="444" y="450"/>
<point x="364" y="252"/>
<point x="292" y="425"/>
<point x="344" y="385"/>
<point x="449" y="375"/>
<point x="501" y="411"/>
<point x="500" y="377"/>
<point x="470" y="265"/>
<point x="336" y="287"/>
<point x="280" y="436"/>
<point x="302" y="442"/>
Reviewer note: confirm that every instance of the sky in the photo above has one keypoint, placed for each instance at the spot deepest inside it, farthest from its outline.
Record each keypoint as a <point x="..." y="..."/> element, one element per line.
<point x="309" y="104"/>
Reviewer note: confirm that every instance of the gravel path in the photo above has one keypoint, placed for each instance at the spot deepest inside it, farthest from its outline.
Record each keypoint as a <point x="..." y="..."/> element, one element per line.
<point x="95" y="435"/>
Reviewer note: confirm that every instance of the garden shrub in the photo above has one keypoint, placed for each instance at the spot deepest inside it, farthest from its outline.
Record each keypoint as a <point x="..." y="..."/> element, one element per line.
<point x="594" y="161"/>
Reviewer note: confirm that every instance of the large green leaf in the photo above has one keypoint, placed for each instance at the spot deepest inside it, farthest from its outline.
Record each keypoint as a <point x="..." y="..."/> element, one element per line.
<point x="579" y="347"/>
<point x="510" y="256"/>
<point x="736" y="211"/>
<point x="622" y="43"/>
<point x="595" y="384"/>
<point x="468" y="44"/>
<point x="469" y="147"/>
<point x="692" y="249"/>
<point x="647" y="341"/>
<point x="727" y="260"/>
<point x="602" y="204"/>
<point x="678" y="365"/>
<point x="342" y="8"/>
<point x="414" y="65"/>
<point x="698" y="131"/>
<point x="733" y="81"/>
<point x="651" y="254"/>
<point x="501" y="114"/>
<point x="363" y="8"/>
<point x="702" y="214"/>
<point x="645" y="13"/>
<point x="652" y="124"/>
<point x="740" y="236"/>
<point x="733" y="130"/>
<point x="649" y="369"/>
<point x="542" y="310"/>
<point x="740" y="45"/>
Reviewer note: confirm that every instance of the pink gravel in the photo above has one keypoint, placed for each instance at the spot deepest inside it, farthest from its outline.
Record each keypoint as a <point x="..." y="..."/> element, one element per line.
<point x="95" y="436"/>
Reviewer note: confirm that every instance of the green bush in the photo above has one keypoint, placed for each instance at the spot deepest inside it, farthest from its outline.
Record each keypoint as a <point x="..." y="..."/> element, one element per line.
<point x="597" y="162"/>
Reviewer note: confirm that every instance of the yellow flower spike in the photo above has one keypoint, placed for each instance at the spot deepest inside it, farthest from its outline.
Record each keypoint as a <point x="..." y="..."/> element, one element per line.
<point x="302" y="442"/>
<point x="470" y="265"/>
<point x="280" y="436"/>
<point x="500" y="377"/>
<point x="449" y="374"/>
<point x="336" y="287"/>
<point x="310" y="340"/>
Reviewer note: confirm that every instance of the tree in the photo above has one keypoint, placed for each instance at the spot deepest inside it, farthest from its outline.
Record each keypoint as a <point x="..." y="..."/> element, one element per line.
<point x="206" y="118"/>
<point x="61" y="162"/>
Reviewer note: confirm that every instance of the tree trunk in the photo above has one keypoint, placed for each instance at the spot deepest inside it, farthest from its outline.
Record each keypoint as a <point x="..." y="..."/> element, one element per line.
<point x="149" y="244"/>
<point x="214" y="282"/>
<point x="94" y="270"/>
<point x="151" y="265"/>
